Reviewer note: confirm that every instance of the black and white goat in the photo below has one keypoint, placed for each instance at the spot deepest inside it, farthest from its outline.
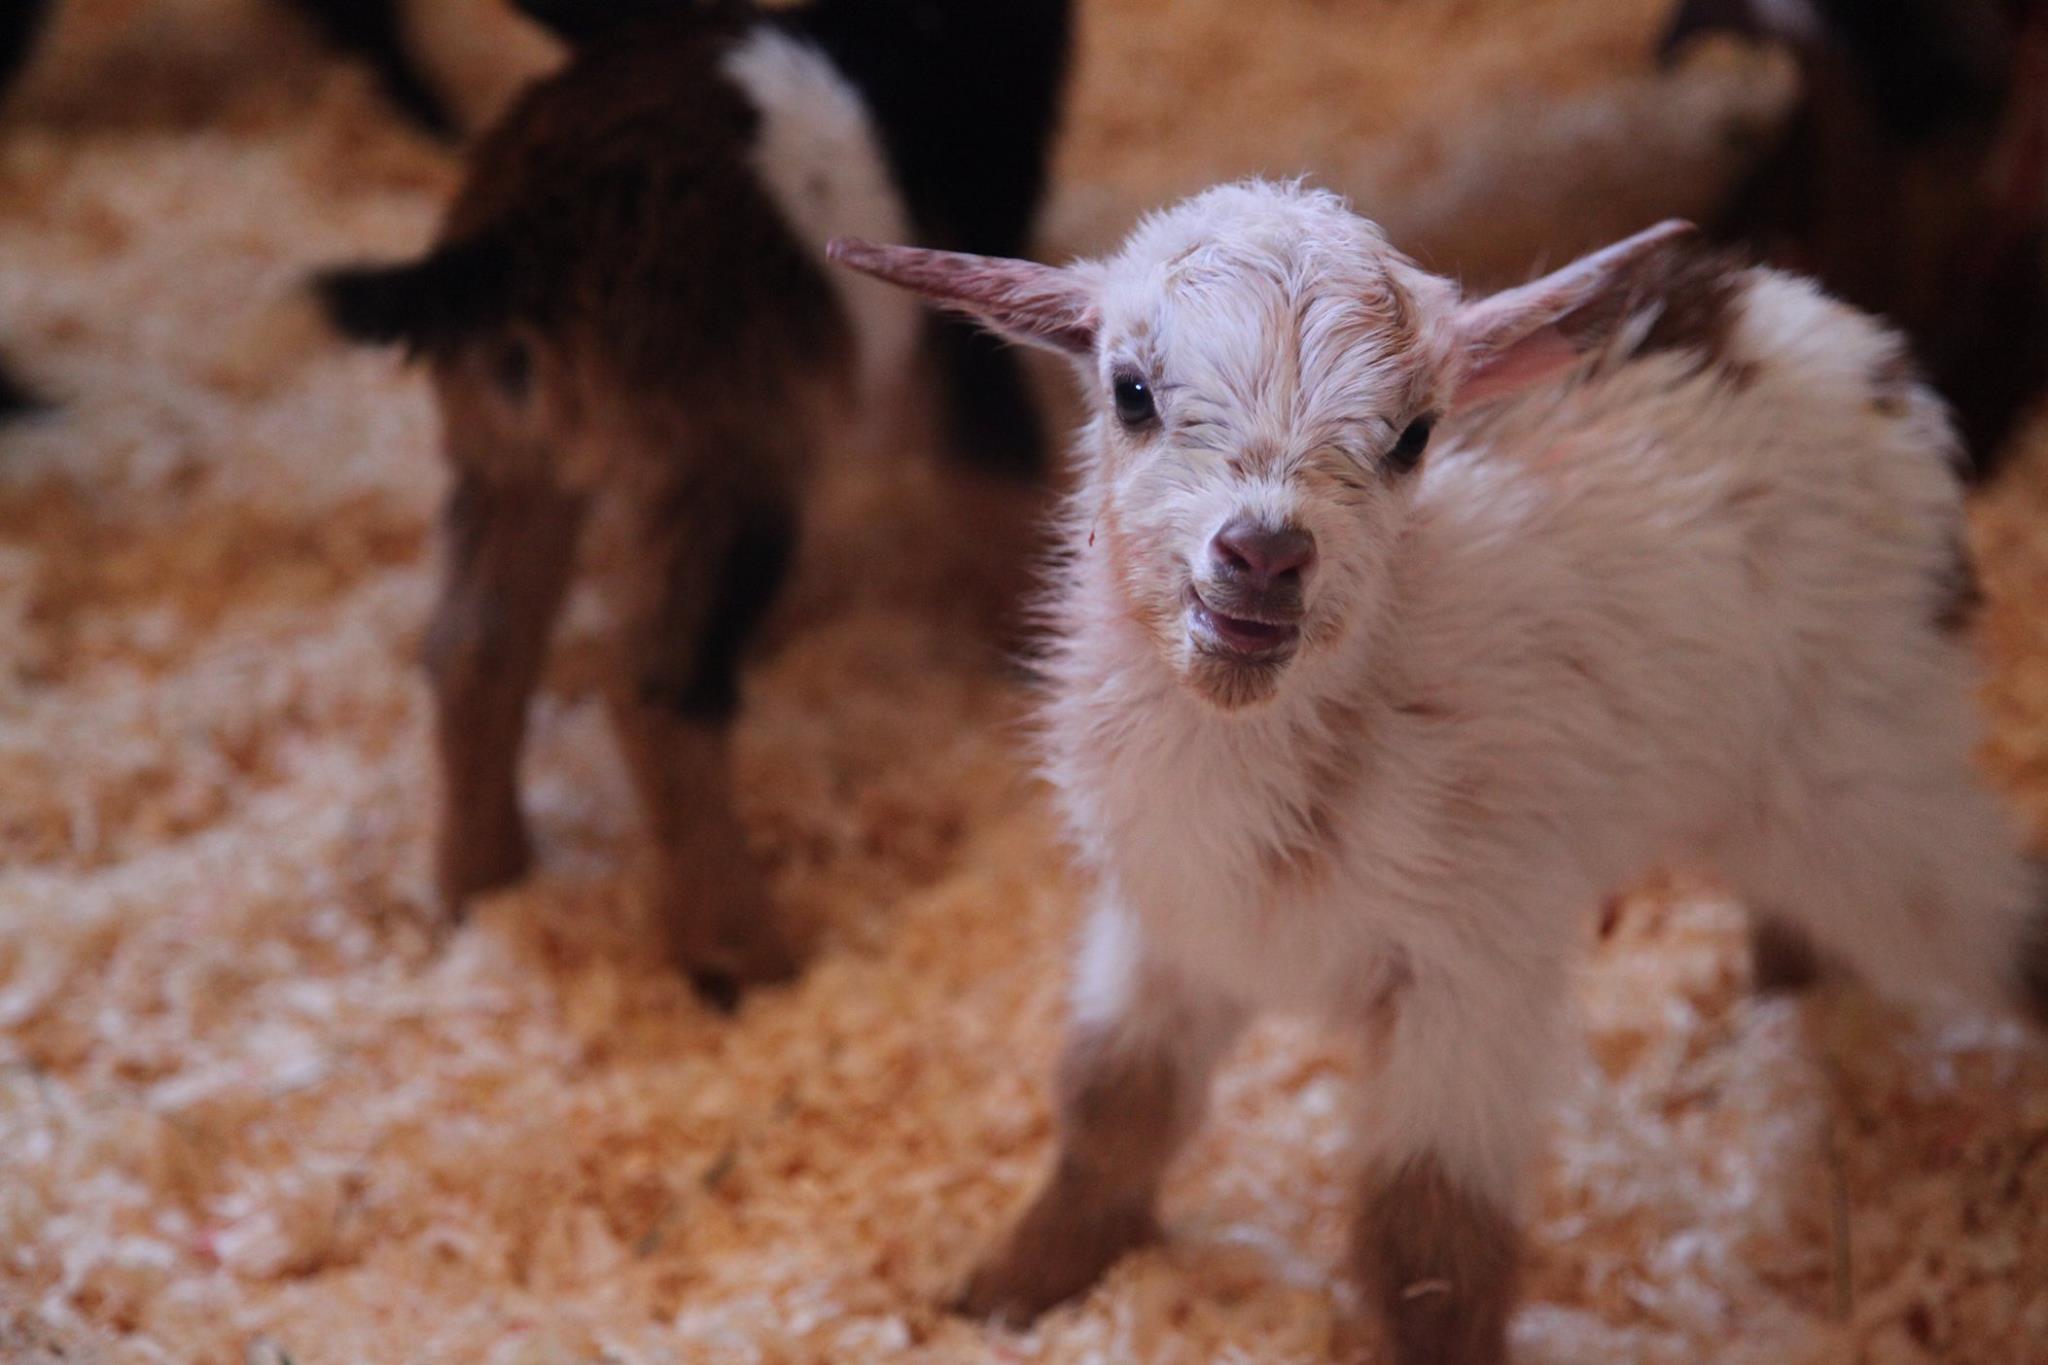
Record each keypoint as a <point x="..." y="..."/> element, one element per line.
<point x="629" y="304"/>
<point x="1369" y="684"/>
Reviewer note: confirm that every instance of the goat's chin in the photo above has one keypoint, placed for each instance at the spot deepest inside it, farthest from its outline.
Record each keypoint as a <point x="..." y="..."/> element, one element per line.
<point x="1230" y="681"/>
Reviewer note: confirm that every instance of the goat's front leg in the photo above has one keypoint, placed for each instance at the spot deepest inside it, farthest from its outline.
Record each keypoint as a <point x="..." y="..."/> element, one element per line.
<point x="1467" y="1059"/>
<point x="1133" y="1084"/>
<point x="510" y="545"/>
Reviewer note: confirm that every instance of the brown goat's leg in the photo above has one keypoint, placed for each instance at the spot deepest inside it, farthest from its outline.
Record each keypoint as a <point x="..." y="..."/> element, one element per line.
<point x="1133" y="1084"/>
<point x="696" y="606"/>
<point x="709" y="896"/>
<point x="1441" y="1259"/>
<point x="1465" y="1063"/>
<point x="509" y="551"/>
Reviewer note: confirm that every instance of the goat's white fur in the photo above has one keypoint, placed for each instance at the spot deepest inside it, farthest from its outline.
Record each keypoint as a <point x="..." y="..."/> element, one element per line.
<point x="821" y="161"/>
<point x="1640" y="618"/>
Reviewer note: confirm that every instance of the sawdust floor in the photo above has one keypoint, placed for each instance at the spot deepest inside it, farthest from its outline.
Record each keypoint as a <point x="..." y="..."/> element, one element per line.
<point x="255" y="1103"/>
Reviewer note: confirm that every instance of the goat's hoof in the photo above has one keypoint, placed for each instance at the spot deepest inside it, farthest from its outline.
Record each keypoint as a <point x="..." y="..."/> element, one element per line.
<point x="716" y="988"/>
<point x="1783" y="960"/>
<point x="721" y="978"/>
<point x="1050" y="1259"/>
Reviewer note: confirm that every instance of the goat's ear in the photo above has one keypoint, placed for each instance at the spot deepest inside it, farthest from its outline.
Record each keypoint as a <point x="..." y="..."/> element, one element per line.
<point x="458" y="289"/>
<point x="1040" y="305"/>
<point x="1523" y="335"/>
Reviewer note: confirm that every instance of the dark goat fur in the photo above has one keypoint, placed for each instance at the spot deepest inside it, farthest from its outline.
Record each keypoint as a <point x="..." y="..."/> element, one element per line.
<point x="618" y="310"/>
<point x="21" y="22"/>
<point x="1910" y="182"/>
<point x="457" y="290"/>
<point x="968" y="143"/>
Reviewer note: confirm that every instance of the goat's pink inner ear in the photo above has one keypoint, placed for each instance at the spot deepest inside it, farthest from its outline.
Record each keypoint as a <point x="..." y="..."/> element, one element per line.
<point x="1042" y="305"/>
<point x="1527" y="334"/>
<point x="1543" y="354"/>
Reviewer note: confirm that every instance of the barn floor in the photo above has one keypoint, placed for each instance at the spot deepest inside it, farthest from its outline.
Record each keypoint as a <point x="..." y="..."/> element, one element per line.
<point x="256" y="1104"/>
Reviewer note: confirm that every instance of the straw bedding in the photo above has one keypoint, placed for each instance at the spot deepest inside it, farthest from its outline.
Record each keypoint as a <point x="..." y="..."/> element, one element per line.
<point x="257" y="1104"/>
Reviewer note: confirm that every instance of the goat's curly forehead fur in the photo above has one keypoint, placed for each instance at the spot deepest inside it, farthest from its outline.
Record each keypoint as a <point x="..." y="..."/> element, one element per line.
<point x="1256" y="295"/>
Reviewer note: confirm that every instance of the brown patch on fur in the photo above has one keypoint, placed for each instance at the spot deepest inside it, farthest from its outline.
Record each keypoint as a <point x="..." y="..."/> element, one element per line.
<point x="1696" y="294"/>
<point x="1125" y="1109"/>
<point x="1417" y="709"/>
<point x="1441" y="1261"/>
<point x="1958" y="596"/>
<point x="1701" y="292"/>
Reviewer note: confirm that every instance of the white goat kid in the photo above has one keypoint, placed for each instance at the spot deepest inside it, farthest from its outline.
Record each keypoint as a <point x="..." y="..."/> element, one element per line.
<point x="1343" y="730"/>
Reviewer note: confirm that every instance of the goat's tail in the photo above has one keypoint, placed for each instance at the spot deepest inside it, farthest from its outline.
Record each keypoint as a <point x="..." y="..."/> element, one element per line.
<point x="458" y="289"/>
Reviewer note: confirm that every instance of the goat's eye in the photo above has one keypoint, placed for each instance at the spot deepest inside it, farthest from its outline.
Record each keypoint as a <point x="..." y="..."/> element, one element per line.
<point x="1133" y="398"/>
<point x="1407" y="451"/>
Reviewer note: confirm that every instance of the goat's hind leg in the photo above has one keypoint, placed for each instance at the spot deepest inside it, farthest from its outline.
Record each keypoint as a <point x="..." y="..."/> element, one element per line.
<point x="697" y="599"/>
<point x="509" y="549"/>
<point x="1915" y="882"/>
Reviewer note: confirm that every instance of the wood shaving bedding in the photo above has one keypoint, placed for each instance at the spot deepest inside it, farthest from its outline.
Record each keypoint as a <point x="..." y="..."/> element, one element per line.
<point x="257" y="1104"/>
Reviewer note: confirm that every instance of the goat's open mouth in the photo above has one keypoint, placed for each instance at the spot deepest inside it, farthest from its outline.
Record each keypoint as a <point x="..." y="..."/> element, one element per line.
<point x="1244" y="636"/>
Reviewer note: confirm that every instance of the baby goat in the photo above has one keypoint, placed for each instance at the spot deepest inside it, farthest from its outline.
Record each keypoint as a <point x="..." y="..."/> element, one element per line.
<point x="1342" y="729"/>
<point x="629" y="305"/>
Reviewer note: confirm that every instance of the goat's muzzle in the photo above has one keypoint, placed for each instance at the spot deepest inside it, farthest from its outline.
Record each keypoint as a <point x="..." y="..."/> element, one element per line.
<point x="1249" y="603"/>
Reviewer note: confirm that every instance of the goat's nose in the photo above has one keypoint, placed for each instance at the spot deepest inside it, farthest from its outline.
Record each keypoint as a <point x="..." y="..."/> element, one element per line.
<point x="1265" y="554"/>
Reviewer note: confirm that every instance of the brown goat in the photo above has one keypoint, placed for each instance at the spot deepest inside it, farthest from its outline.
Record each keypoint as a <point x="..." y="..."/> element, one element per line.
<point x="621" y="309"/>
